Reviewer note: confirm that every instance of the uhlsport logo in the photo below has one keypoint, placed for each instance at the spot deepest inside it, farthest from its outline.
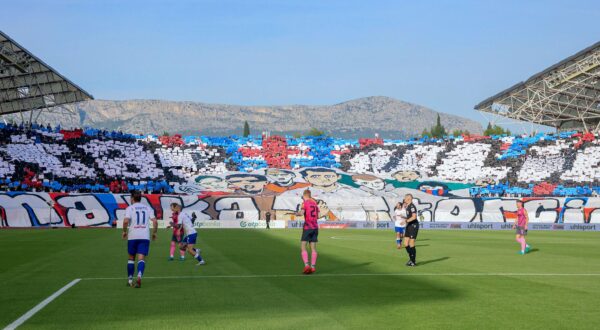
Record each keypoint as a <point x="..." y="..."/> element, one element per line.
<point x="368" y="225"/>
<point x="583" y="227"/>
<point x="480" y="226"/>
<point x="294" y="224"/>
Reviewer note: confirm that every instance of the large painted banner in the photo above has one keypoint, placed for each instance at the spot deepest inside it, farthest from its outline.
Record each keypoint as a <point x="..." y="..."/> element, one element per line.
<point x="58" y="209"/>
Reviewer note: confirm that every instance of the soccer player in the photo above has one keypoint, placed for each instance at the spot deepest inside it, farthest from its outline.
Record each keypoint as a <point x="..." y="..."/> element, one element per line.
<point x="399" y="223"/>
<point x="177" y="235"/>
<point x="310" y="231"/>
<point x="136" y="230"/>
<point x="521" y="224"/>
<point x="412" y="229"/>
<point x="189" y="239"/>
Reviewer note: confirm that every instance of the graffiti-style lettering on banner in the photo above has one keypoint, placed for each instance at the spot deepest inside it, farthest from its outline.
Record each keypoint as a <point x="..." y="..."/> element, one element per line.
<point x="103" y="210"/>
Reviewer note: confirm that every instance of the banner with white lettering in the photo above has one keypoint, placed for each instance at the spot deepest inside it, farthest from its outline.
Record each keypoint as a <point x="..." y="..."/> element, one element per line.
<point x="23" y="209"/>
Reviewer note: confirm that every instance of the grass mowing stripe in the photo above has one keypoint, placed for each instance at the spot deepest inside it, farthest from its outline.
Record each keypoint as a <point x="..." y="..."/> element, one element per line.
<point x="338" y="275"/>
<point x="463" y="280"/>
<point x="41" y="305"/>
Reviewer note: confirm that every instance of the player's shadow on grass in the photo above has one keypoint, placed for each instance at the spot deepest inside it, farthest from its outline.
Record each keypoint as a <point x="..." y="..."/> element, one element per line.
<point x="252" y="273"/>
<point x="421" y="263"/>
<point x="361" y="281"/>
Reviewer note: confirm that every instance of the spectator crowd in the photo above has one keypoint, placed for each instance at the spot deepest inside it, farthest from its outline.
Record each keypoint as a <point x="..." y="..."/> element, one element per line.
<point x="44" y="158"/>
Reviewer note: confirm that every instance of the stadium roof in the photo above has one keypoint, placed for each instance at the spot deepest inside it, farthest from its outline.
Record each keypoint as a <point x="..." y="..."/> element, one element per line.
<point x="564" y="96"/>
<point x="27" y="83"/>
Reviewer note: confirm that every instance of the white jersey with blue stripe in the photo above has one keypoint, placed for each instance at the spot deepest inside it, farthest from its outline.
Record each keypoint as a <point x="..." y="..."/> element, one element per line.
<point x="139" y="216"/>
<point x="185" y="219"/>
<point x="400" y="218"/>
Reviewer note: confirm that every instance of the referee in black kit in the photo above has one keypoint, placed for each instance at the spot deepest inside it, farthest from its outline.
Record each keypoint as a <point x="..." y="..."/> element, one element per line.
<point x="412" y="230"/>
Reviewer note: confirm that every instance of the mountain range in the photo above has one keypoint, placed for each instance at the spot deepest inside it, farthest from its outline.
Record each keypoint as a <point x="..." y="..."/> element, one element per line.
<point x="362" y="117"/>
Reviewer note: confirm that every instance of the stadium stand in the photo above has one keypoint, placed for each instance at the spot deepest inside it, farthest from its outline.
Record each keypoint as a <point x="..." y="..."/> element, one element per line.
<point x="42" y="158"/>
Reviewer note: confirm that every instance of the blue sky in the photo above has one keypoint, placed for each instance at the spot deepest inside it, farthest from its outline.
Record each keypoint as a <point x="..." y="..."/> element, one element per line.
<point x="447" y="55"/>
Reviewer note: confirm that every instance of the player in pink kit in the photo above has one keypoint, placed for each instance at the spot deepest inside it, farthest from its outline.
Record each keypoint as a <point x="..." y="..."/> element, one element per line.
<point x="177" y="234"/>
<point x="310" y="232"/>
<point x="521" y="224"/>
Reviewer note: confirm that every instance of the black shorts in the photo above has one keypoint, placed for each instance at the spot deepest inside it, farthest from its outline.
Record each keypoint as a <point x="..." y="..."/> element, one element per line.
<point x="412" y="229"/>
<point x="176" y="238"/>
<point x="521" y="231"/>
<point x="310" y="235"/>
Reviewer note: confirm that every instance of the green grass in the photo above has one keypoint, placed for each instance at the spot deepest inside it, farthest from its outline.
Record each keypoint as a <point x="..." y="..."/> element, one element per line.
<point x="36" y="263"/>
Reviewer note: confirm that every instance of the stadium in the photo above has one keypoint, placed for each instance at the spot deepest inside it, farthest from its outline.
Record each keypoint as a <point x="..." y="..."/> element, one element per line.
<point x="66" y="195"/>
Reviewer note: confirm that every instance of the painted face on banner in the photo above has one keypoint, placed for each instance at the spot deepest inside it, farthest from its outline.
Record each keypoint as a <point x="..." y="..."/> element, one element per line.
<point x="251" y="184"/>
<point x="281" y="177"/>
<point x="212" y="183"/>
<point x="406" y="176"/>
<point x="321" y="179"/>
<point x="377" y="184"/>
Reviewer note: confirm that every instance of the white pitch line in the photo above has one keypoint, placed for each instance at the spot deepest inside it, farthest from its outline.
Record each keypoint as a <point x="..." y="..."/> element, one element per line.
<point x="41" y="305"/>
<point x="340" y="275"/>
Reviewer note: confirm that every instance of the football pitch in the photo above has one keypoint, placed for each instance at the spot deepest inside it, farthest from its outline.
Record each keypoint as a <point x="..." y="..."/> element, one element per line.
<point x="252" y="279"/>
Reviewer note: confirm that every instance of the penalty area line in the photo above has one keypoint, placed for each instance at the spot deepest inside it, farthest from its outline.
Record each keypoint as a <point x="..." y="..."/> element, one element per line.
<point x="41" y="305"/>
<point x="337" y="275"/>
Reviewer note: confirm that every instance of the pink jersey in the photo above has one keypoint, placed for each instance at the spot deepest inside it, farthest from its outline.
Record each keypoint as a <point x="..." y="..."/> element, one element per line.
<point x="521" y="219"/>
<point x="175" y="219"/>
<point x="311" y="214"/>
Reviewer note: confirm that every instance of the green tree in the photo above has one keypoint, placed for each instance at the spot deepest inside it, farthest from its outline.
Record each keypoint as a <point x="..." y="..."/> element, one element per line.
<point x="315" y="132"/>
<point x="246" y="129"/>
<point x="495" y="130"/>
<point x="438" y="130"/>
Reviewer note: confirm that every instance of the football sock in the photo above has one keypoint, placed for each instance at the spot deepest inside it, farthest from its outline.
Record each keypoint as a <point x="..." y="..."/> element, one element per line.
<point x="305" y="257"/>
<point x="523" y="244"/>
<point x="313" y="258"/>
<point x="172" y="250"/>
<point x="130" y="266"/>
<point x="197" y="256"/>
<point x="141" y="267"/>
